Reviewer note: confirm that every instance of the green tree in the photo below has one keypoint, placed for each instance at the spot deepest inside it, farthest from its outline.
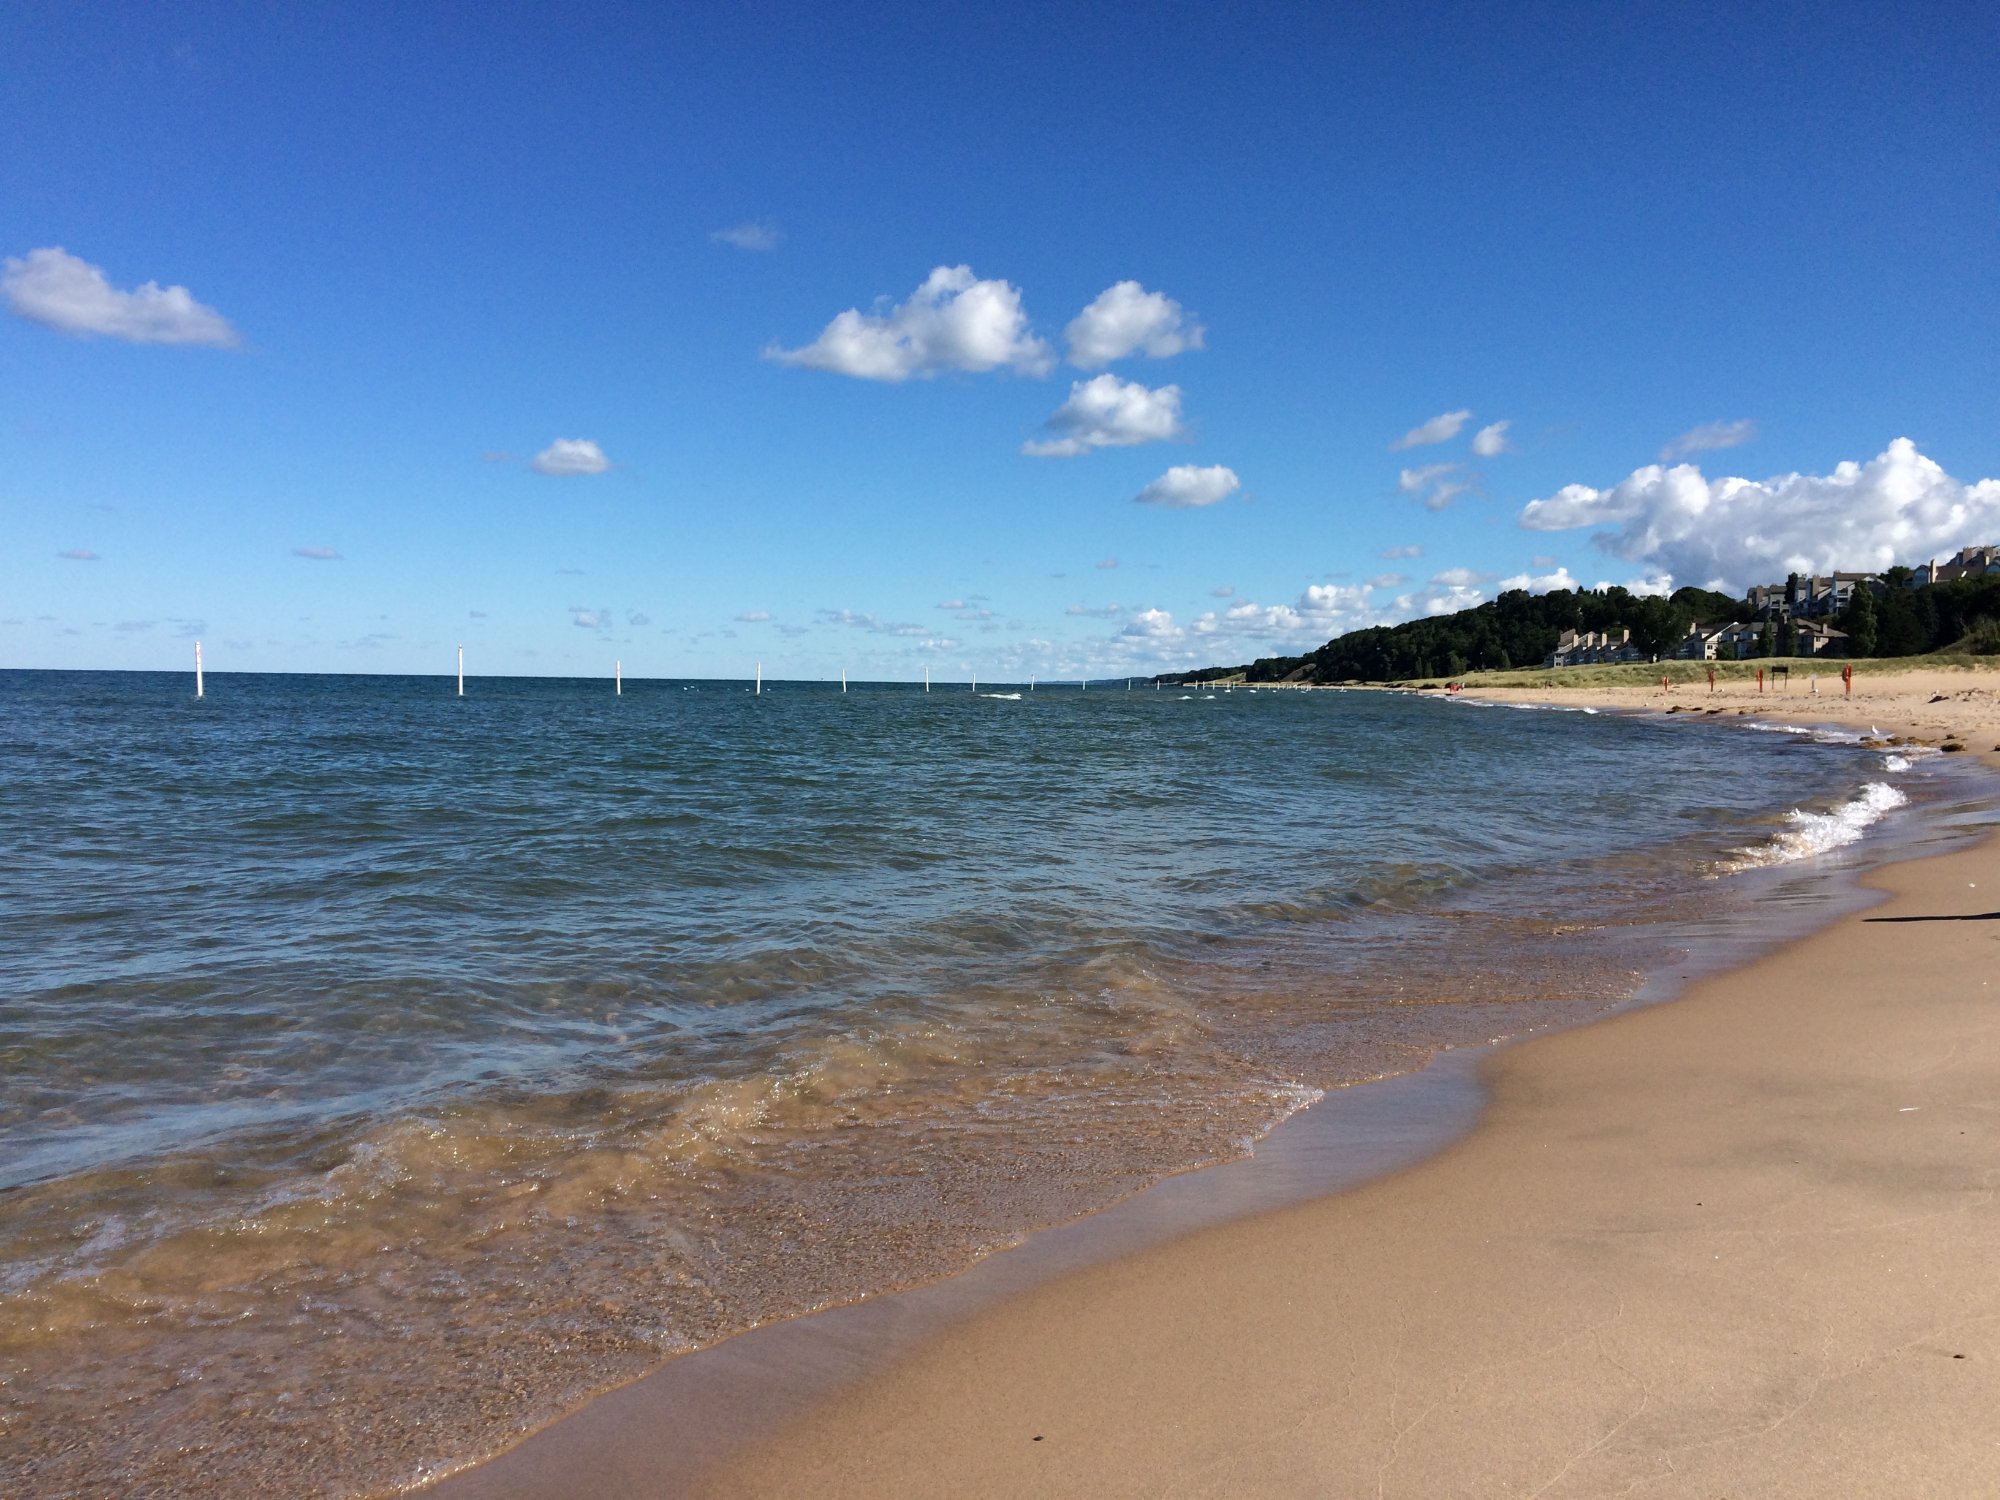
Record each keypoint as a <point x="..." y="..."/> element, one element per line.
<point x="1900" y="628"/>
<point x="1657" y="624"/>
<point x="1767" y="641"/>
<point x="1858" y="620"/>
<point x="1788" y="639"/>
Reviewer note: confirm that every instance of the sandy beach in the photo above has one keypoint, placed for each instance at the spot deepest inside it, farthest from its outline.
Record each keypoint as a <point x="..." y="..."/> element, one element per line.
<point x="1936" y="705"/>
<point x="1746" y="1243"/>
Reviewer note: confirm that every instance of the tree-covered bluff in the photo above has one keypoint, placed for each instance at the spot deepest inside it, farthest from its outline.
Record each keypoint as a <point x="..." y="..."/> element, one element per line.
<point x="1519" y="629"/>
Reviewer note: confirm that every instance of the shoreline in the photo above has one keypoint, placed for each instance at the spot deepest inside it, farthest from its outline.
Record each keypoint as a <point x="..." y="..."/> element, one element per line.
<point x="1743" y="1243"/>
<point x="621" y="1440"/>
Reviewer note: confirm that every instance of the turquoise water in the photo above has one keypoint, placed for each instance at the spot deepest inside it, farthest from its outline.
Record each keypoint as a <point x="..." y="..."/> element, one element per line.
<point x="385" y="1070"/>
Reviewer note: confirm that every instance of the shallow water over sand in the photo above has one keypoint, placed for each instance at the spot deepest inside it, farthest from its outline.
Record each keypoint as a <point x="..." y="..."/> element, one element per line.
<point x="384" y="1071"/>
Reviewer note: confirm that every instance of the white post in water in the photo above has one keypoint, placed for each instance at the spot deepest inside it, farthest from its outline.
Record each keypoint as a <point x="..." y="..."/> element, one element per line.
<point x="975" y="682"/>
<point x="1031" y="684"/>
<point x="843" y="679"/>
<point x="618" y="679"/>
<point x="461" y="671"/>
<point x="927" y="679"/>
<point x="197" y="669"/>
<point x="760" y="680"/>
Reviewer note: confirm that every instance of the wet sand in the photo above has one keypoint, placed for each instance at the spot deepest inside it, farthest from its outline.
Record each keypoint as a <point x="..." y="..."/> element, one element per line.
<point x="1746" y="1243"/>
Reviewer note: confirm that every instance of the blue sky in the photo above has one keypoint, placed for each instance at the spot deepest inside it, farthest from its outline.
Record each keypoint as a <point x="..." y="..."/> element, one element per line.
<point x="1667" y="246"/>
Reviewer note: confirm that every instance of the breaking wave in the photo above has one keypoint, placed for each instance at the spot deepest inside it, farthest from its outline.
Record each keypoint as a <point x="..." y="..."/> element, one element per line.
<point x="1811" y="833"/>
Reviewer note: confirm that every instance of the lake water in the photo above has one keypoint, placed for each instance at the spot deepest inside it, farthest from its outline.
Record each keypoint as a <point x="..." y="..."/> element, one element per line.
<point x="384" y="1070"/>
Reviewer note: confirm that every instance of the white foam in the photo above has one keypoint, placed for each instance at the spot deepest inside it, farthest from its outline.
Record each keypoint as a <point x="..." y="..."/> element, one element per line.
<point x="1819" y="734"/>
<point x="1003" y="697"/>
<point x="1812" y="833"/>
<point x="1535" y="708"/>
<point x="1895" y="763"/>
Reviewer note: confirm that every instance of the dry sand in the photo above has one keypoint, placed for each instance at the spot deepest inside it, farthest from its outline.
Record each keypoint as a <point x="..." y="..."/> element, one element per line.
<point x="1744" y="1244"/>
<point x="1933" y="705"/>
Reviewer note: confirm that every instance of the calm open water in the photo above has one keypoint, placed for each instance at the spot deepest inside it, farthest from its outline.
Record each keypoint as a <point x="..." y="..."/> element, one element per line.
<point x="381" y="1071"/>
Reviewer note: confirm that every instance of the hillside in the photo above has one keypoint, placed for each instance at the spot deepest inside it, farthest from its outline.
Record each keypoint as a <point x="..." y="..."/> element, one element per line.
<point x="1519" y="629"/>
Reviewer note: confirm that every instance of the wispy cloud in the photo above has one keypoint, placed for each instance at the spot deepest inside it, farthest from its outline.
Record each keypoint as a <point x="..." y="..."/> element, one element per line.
<point x="1491" y="441"/>
<point x="954" y="321"/>
<point x="754" y="616"/>
<point x="58" y="290"/>
<point x="1437" y="485"/>
<point x="79" y="554"/>
<point x="752" y="236"/>
<point x="1095" y="611"/>
<point x="1708" y="437"/>
<point x="1107" y="564"/>
<point x="317" y="554"/>
<point x="1394" y="554"/>
<point x="570" y="456"/>
<point x="872" y="624"/>
<point x="1439" y="429"/>
<point x="1223" y="591"/>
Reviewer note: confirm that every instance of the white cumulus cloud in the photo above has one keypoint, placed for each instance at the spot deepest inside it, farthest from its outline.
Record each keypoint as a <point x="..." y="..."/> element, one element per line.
<point x="954" y="321"/>
<point x="1708" y="437"/>
<point x="1491" y="441"/>
<point x="1538" y="583"/>
<point x="1899" y="507"/>
<point x="1152" y="625"/>
<point x="1439" y="429"/>
<point x="566" y="456"/>
<point x="1127" y="319"/>
<point x="56" y="289"/>
<point x="1106" y="412"/>
<point x="1447" y="593"/>
<point x="1186" y="486"/>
